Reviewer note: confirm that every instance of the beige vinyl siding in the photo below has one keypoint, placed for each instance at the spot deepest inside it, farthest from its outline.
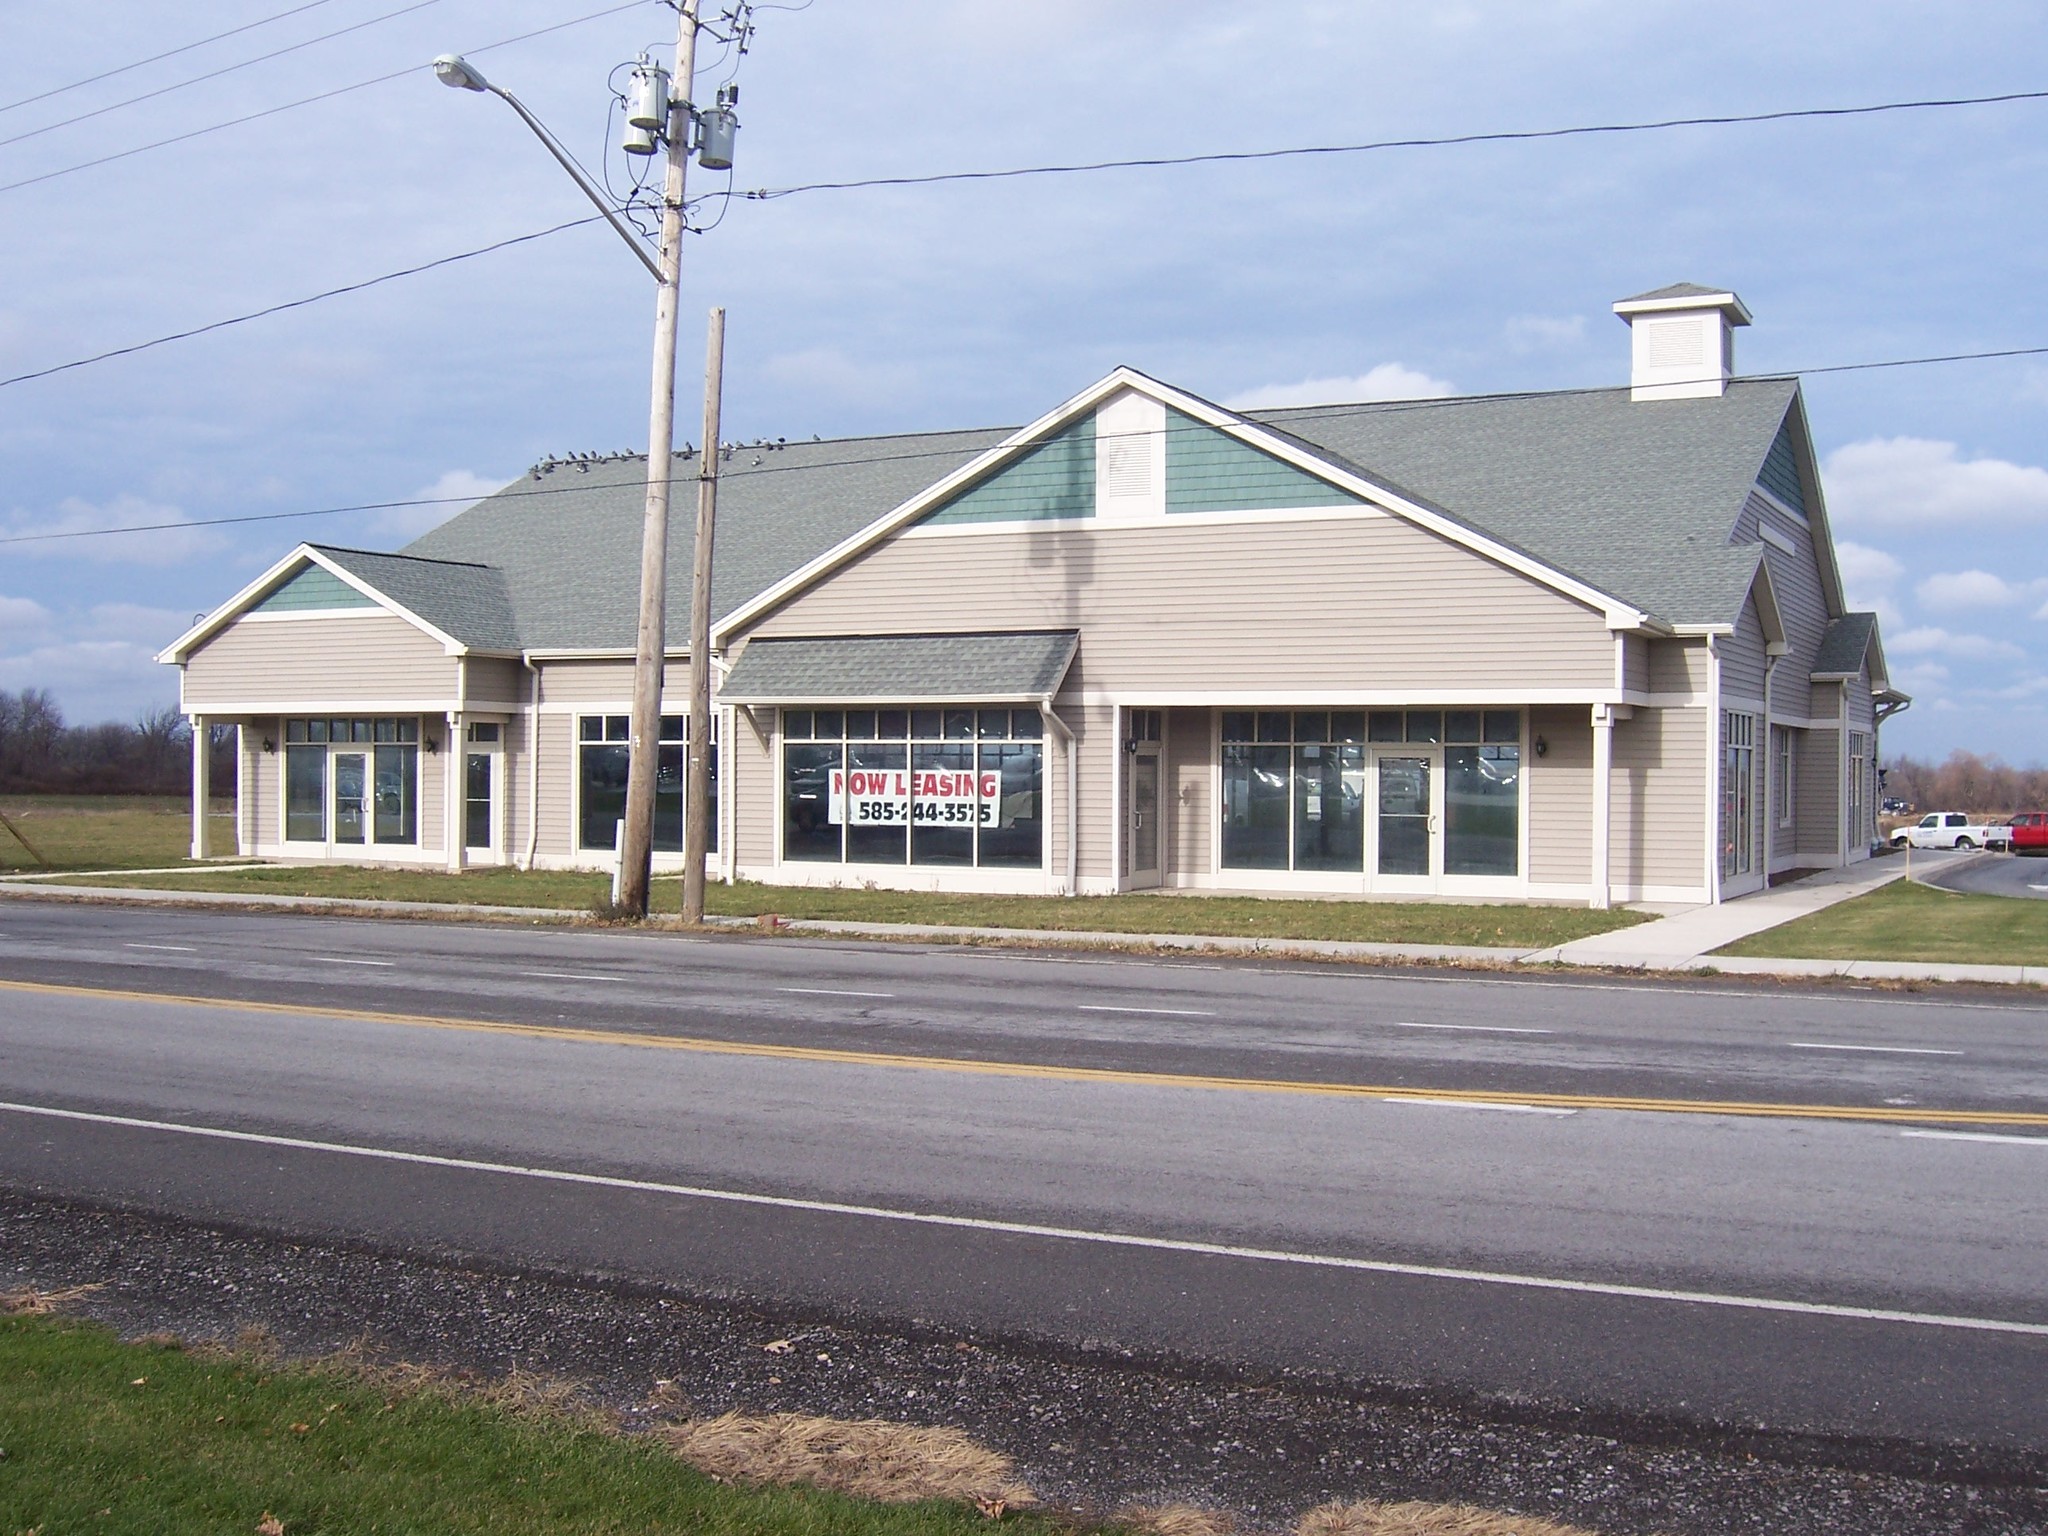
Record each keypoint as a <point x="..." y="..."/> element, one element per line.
<point x="1224" y="605"/>
<point x="747" y="764"/>
<point x="1659" y="798"/>
<point x="557" y="781"/>
<point x="1817" y="792"/>
<point x="1784" y="838"/>
<point x="1559" y="790"/>
<point x="1742" y="661"/>
<point x="1802" y="603"/>
<point x="433" y="786"/>
<point x="610" y="682"/>
<point x="1635" y="663"/>
<point x="336" y="662"/>
<point x="1094" y="728"/>
<point x="1862" y="710"/>
<point x="513" y="788"/>
<point x="1678" y="666"/>
<point x="260" y="816"/>
<point x="1189" y="777"/>
<point x="495" y="684"/>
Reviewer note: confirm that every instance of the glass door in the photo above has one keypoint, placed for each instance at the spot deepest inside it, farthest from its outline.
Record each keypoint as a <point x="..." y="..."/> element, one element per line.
<point x="1144" y="817"/>
<point x="1408" y="850"/>
<point x="351" y="775"/>
<point x="478" y="824"/>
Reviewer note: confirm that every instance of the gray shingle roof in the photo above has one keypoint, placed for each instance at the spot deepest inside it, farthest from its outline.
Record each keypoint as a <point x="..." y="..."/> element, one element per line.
<point x="904" y="668"/>
<point x="1635" y="498"/>
<point x="569" y="542"/>
<point x="467" y="601"/>
<point x="1844" y="644"/>
<point x="1674" y="291"/>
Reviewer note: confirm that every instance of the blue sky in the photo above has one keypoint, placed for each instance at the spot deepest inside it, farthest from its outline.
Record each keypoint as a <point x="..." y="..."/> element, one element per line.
<point x="1411" y="271"/>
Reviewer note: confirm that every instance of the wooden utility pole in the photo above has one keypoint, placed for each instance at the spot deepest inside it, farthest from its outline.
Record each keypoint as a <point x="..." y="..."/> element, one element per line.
<point x="697" y="804"/>
<point x="636" y="850"/>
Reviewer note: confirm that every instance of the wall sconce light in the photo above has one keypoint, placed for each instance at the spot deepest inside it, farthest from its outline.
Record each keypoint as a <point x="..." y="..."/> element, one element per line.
<point x="1542" y="747"/>
<point x="269" y="746"/>
<point x="433" y="746"/>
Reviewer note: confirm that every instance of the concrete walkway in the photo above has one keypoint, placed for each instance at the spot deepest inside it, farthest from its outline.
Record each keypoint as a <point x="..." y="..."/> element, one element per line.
<point x="1681" y="941"/>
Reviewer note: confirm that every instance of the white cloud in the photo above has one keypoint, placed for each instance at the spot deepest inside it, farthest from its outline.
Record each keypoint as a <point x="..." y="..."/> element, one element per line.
<point x="22" y="615"/>
<point x="1545" y="333"/>
<point x="455" y="491"/>
<point x="1949" y="590"/>
<point x="1929" y="640"/>
<point x="117" y="679"/>
<point x="78" y="531"/>
<point x="1389" y="381"/>
<point x="136" y="623"/>
<point x="832" y="375"/>
<point x="1918" y="482"/>
<point x="1868" y="573"/>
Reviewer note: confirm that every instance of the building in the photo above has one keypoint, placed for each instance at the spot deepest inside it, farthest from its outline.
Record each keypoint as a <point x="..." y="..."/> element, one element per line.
<point x="1584" y="646"/>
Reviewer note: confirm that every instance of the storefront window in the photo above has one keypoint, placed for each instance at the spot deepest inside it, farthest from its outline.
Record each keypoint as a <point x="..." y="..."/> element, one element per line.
<point x="372" y="766"/>
<point x="603" y="757"/>
<point x="1294" y="787"/>
<point x="930" y="787"/>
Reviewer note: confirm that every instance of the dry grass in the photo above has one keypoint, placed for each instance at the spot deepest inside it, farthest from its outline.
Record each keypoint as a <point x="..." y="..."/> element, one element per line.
<point x="31" y="1302"/>
<point x="1369" y="1517"/>
<point x="1177" y="1520"/>
<point x="868" y="1458"/>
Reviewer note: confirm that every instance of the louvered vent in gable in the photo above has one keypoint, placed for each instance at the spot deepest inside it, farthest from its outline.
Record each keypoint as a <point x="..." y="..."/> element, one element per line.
<point x="1127" y="466"/>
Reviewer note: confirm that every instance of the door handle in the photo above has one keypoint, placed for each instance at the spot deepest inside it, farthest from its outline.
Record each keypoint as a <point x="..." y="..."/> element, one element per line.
<point x="1432" y="823"/>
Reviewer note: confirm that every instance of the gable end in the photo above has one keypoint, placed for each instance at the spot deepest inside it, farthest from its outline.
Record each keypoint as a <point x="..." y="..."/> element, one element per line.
<point x="1054" y="480"/>
<point x="1780" y="472"/>
<point x="310" y="589"/>
<point x="1211" y="471"/>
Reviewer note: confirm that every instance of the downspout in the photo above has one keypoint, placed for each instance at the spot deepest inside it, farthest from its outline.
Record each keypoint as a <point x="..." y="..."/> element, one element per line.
<point x="1770" y="772"/>
<point x="532" y="763"/>
<point x="1066" y="740"/>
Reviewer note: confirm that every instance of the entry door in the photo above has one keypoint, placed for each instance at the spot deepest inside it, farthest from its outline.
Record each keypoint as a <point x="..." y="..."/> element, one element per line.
<point x="351" y="796"/>
<point x="1408" y="844"/>
<point x="1141" y="816"/>
<point x="479" y="802"/>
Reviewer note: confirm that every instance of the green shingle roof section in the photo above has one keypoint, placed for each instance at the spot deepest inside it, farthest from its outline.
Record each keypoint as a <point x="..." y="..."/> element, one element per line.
<point x="1780" y="474"/>
<point x="1637" y="498"/>
<point x="1055" y="479"/>
<point x="311" y="588"/>
<point x="469" y="603"/>
<point x="568" y="543"/>
<point x="1843" y="645"/>
<point x="1211" y="471"/>
<point x="902" y="669"/>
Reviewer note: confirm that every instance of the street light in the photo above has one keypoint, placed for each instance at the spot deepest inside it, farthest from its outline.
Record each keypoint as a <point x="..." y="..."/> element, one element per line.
<point x="665" y="116"/>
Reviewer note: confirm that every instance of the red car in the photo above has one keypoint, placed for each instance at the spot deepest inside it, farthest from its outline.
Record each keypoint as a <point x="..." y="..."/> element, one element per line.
<point x="2030" y="832"/>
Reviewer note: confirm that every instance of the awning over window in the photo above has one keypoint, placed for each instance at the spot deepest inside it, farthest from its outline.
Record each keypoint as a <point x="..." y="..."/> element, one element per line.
<point x="902" y="669"/>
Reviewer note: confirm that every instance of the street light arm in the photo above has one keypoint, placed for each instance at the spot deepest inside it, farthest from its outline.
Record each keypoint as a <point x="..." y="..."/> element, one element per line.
<point x="594" y="193"/>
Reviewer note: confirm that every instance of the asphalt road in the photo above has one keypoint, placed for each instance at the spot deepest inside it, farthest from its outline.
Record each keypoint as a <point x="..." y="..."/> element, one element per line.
<point x="1998" y="874"/>
<point x="1409" y="1179"/>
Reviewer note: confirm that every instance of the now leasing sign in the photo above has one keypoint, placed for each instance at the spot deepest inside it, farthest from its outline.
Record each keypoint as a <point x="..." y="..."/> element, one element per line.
<point x="925" y="797"/>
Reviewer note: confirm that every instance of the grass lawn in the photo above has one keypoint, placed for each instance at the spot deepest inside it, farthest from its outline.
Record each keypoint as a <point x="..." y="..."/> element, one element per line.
<point x="1250" y="916"/>
<point x="127" y="1439"/>
<point x="103" y="831"/>
<point x="1909" y="921"/>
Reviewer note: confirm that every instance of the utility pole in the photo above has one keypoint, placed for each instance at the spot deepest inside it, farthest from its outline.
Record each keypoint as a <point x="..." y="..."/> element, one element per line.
<point x="637" y="839"/>
<point x="697" y="804"/>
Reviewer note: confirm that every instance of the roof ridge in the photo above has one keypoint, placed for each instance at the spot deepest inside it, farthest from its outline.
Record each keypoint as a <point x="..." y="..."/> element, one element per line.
<point x="392" y="554"/>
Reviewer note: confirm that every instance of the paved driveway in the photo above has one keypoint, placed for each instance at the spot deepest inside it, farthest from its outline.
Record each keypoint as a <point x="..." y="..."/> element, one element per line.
<point x="1996" y="874"/>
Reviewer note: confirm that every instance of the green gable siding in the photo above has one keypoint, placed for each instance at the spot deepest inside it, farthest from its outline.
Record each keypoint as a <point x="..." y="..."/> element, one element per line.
<point x="1780" y="474"/>
<point x="1055" y="479"/>
<point x="310" y="587"/>
<point x="1211" y="471"/>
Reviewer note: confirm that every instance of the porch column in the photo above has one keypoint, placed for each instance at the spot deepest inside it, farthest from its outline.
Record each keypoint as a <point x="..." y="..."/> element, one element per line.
<point x="202" y="787"/>
<point x="454" y="807"/>
<point x="1603" y="805"/>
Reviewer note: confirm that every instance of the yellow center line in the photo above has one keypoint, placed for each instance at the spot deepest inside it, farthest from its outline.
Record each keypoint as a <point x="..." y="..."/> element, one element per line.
<point x="1883" y="1114"/>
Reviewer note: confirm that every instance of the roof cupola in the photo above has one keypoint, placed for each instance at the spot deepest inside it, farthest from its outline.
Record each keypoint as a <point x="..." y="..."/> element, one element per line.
<point x="1681" y="341"/>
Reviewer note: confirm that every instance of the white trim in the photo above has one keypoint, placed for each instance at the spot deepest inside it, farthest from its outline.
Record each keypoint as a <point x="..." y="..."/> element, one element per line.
<point x="1782" y="542"/>
<point x="963" y="879"/>
<point x="296" y="615"/>
<point x="1665" y="700"/>
<point x="1349" y="512"/>
<point x="1617" y="613"/>
<point x="1791" y="514"/>
<point x="231" y="611"/>
<point x="1416" y="696"/>
<point x="332" y="707"/>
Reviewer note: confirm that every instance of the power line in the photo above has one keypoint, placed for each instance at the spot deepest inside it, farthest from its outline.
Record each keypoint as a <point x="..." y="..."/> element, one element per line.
<point x="1504" y="137"/>
<point x="313" y="298"/>
<point x="1292" y="417"/>
<point x="215" y="74"/>
<point x="158" y="58"/>
<point x="305" y="101"/>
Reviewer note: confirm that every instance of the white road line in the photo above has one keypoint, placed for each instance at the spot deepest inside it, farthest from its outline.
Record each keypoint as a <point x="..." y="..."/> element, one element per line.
<point x="182" y="949"/>
<point x="338" y="960"/>
<point x="1065" y="1234"/>
<point x="1888" y="1050"/>
<point x="1162" y="1013"/>
<point x="1511" y="1109"/>
<point x="832" y="992"/>
<point x="2018" y="1141"/>
<point x="569" y="976"/>
<point x="1483" y="1029"/>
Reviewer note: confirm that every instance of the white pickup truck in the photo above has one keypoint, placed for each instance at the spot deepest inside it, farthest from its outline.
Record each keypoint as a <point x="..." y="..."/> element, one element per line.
<point x="1952" y="829"/>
